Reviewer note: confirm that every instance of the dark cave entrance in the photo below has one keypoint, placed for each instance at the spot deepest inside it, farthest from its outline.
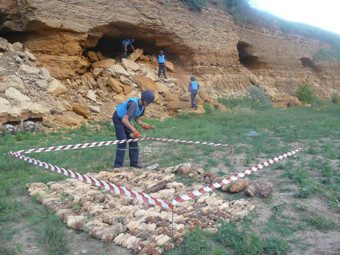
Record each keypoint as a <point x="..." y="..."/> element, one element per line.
<point x="110" y="47"/>
<point x="308" y="63"/>
<point x="149" y="39"/>
<point x="248" y="58"/>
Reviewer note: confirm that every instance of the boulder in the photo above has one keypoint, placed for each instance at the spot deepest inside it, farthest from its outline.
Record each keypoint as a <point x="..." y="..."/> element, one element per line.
<point x="115" y="85"/>
<point x="284" y="100"/>
<point x="116" y="70"/>
<point x="170" y="66"/>
<point x="29" y="69"/>
<point x="135" y="55"/>
<point x="3" y="44"/>
<point x="145" y="83"/>
<point x="56" y="88"/>
<point x="4" y="108"/>
<point x="67" y="119"/>
<point x="16" y="95"/>
<point x="81" y="110"/>
<point x="177" y="105"/>
<point x="130" y="64"/>
<point x="97" y="71"/>
<point x="171" y="97"/>
<point x="30" y="56"/>
<point x="106" y="63"/>
<point x="127" y="89"/>
<point x="92" y="56"/>
<point x="43" y="84"/>
<point x="13" y="81"/>
<point x="45" y="74"/>
<point x="162" y="88"/>
<point x="91" y="95"/>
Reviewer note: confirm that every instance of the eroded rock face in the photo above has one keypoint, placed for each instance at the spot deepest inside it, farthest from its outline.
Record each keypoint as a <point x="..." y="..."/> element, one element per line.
<point x="227" y="57"/>
<point x="29" y="91"/>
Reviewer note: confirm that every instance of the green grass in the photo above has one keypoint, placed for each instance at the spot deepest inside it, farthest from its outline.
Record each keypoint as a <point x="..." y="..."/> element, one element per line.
<point x="320" y="223"/>
<point x="311" y="174"/>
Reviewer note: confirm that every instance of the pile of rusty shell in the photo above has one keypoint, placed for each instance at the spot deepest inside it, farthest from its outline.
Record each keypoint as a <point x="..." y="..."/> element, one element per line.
<point x="239" y="185"/>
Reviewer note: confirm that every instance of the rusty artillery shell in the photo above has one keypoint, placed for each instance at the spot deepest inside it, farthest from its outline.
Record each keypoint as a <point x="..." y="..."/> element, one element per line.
<point x="252" y="189"/>
<point x="239" y="185"/>
<point x="266" y="189"/>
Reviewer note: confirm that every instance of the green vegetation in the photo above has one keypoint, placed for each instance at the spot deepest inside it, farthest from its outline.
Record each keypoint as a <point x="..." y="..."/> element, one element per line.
<point x="306" y="94"/>
<point x="312" y="174"/>
<point x="195" y="5"/>
<point x="258" y="97"/>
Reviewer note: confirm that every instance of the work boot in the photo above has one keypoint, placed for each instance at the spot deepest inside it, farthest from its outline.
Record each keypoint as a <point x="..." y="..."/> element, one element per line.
<point x="136" y="166"/>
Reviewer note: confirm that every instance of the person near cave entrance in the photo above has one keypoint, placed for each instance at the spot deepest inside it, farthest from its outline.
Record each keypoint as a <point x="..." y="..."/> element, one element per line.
<point x="193" y="88"/>
<point x="161" y="64"/>
<point x="125" y="45"/>
<point x="133" y="108"/>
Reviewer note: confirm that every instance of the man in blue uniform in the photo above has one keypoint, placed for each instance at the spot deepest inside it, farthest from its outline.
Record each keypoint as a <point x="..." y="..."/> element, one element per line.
<point x="124" y="45"/>
<point x="125" y="112"/>
<point x="193" y="87"/>
<point x="161" y="64"/>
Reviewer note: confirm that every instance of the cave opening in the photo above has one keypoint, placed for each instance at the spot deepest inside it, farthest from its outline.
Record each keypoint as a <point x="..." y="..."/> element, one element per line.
<point x="248" y="58"/>
<point x="308" y="63"/>
<point x="150" y="39"/>
<point x="110" y="47"/>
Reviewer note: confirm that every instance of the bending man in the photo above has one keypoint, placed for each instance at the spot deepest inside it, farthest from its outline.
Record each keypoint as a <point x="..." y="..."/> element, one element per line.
<point x="133" y="108"/>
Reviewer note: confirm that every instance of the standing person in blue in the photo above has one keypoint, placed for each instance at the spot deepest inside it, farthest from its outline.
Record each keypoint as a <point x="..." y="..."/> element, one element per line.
<point x="124" y="45"/>
<point x="125" y="112"/>
<point x="161" y="64"/>
<point x="193" y="88"/>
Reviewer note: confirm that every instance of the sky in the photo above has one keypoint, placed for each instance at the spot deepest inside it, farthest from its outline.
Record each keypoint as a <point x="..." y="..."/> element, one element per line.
<point x="323" y="14"/>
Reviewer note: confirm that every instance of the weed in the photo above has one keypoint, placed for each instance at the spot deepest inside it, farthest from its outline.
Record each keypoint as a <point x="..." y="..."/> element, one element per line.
<point x="275" y="245"/>
<point x="185" y="179"/>
<point x="196" y="242"/>
<point x="300" y="208"/>
<point x="76" y="207"/>
<point x="321" y="223"/>
<point x="221" y="173"/>
<point x="277" y="209"/>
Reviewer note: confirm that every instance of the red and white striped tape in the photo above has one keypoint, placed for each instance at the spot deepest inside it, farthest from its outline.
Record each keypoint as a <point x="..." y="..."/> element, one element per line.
<point x="131" y="193"/>
<point x="251" y="170"/>
<point x="98" y="144"/>
<point x="96" y="182"/>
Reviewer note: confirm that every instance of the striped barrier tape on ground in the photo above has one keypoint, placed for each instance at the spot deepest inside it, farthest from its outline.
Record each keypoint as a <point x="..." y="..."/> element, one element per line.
<point x="131" y="193"/>
<point x="96" y="182"/>
<point x="227" y="180"/>
<point x="106" y="143"/>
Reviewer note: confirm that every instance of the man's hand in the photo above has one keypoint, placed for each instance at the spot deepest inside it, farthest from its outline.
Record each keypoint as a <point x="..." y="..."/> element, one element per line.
<point x="135" y="134"/>
<point x="147" y="126"/>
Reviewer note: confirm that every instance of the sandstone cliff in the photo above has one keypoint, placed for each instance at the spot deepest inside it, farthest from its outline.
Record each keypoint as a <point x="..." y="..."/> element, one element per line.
<point x="226" y="58"/>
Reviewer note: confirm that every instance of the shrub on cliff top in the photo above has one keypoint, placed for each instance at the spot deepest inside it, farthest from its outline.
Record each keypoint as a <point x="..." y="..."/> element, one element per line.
<point x="195" y="5"/>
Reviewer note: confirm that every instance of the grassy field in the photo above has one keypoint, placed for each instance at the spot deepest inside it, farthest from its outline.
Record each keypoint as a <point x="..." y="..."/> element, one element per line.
<point x="303" y="209"/>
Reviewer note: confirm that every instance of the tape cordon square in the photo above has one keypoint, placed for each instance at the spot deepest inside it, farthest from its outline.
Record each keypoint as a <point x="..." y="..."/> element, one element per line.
<point x="132" y="193"/>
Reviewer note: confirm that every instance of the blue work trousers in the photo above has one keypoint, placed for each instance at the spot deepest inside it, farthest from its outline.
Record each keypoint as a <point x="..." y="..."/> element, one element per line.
<point x="193" y="96"/>
<point x="161" y="69"/>
<point x="122" y="133"/>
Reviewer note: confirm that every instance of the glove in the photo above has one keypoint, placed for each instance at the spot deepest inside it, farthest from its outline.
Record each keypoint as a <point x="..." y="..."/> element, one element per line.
<point x="147" y="126"/>
<point x="135" y="134"/>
